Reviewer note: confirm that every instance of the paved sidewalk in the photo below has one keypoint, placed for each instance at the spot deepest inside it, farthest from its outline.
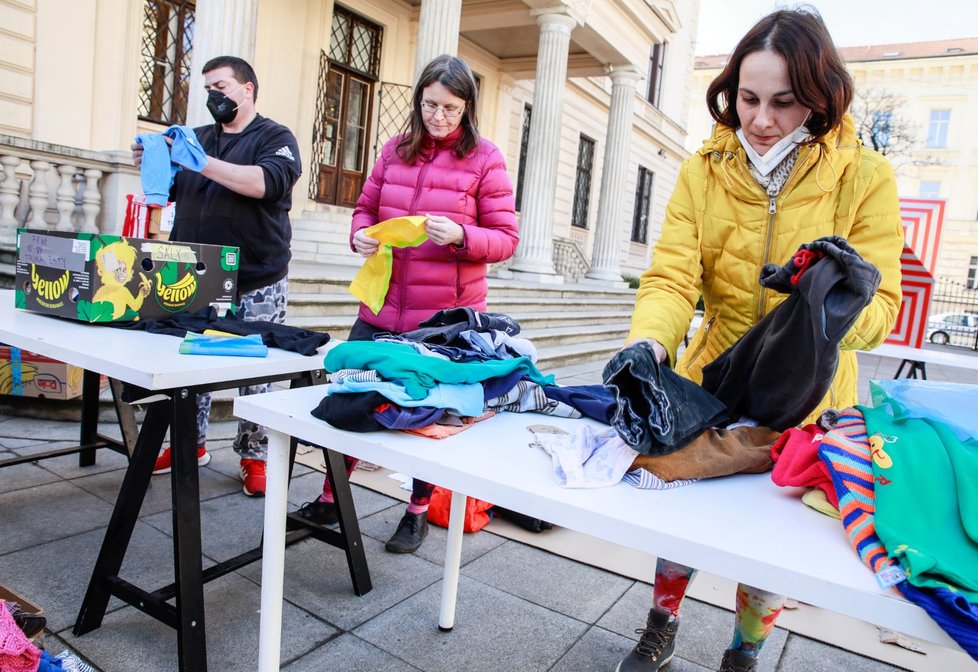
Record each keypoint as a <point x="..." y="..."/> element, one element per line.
<point x="520" y="608"/>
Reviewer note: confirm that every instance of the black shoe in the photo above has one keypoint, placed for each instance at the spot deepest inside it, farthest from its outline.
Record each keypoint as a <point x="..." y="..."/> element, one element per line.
<point x="320" y="513"/>
<point x="411" y="531"/>
<point x="735" y="660"/>
<point x="656" y="645"/>
<point x="30" y="624"/>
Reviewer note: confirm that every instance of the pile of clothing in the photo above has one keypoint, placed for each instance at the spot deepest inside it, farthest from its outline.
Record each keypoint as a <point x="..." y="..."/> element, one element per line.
<point x="900" y="476"/>
<point x="459" y="367"/>
<point x="667" y="431"/>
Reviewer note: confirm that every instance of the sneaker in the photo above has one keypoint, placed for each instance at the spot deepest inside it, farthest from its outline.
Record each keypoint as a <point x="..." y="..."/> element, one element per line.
<point x="320" y="513"/>
<point x="164" y="463"/>
<point x="735" y="660"/>
<point x="411" y="531"/>
<point x="253" y="477"/>
<point x="656" y="645"/>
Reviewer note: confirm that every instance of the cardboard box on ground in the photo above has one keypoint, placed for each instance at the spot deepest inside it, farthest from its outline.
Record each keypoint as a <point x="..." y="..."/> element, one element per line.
<point x="106" y="278"/>
<point x="27" y="374"/>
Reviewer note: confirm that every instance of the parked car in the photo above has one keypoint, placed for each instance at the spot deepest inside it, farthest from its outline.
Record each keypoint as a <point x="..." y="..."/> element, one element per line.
<point x="953" y="329"/>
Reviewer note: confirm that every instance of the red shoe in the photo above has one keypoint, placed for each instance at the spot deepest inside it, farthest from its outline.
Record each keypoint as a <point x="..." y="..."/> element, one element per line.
<point x="164" y="463"/>
<point x="253" y="476"/>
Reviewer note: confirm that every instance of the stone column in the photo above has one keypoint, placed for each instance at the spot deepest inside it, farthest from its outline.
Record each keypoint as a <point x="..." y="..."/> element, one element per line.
<point x="437" y="31"/>
<point x="534" y="254"/>
<point x="608" y="228"/>
<point x="221" y="28"/>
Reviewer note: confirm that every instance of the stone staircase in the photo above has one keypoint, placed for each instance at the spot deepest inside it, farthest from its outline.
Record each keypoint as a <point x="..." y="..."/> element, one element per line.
<point x="569" y="324"/>
<point x="572" y="325"/>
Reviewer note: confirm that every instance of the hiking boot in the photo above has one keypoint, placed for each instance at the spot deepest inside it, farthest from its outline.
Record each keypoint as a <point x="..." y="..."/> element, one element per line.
<point x="735" y="660"/>
<point x="656" y="645"/>
<point x="411" y="531"/>
<point x="253" y="477"/>
<point x="320" y="513"/>
<point x="164" y="463"/>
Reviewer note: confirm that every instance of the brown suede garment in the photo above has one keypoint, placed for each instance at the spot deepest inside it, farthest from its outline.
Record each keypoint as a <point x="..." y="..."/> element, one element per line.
<point x="715" y="452"/>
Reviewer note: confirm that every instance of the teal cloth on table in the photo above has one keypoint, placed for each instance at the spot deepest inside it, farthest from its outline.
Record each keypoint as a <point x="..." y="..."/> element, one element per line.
<point x="234" y="346"/>
<point x="926" y="499"/>
<point x="419" y="373"/>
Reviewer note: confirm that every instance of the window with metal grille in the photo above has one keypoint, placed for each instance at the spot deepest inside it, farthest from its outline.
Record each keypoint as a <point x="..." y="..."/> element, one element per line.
<point x="643" y="201"/>
<point x="582" y="185"/>
<point x="524" y="140"/>
<point x="656" y="61"/>
<point x="344" y="108"/>
<point x="355" y="42"/>
<point x="164" y="61"/>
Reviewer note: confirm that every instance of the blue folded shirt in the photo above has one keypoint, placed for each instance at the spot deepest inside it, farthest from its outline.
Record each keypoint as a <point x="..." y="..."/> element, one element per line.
<point x="235" y="346"/>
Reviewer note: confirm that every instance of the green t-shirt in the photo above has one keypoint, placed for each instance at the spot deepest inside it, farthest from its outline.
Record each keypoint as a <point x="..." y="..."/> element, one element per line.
<point x="926" y="486"/>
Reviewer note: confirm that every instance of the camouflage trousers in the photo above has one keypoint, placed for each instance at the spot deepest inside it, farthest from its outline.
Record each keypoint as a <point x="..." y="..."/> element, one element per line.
<point x="265" y="304"/>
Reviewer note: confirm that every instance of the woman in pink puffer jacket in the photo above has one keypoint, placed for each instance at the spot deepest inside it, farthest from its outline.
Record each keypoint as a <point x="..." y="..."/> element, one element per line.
<point x="439" y="168"/>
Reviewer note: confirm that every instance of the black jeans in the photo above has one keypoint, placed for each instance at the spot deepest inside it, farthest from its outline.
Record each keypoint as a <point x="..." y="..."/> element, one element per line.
<point x="657" y="411"/>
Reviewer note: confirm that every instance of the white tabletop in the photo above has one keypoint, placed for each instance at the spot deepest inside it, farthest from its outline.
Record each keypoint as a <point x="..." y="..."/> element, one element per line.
<point x="152" y="361"/>
<point x="954" y="359"/>
<point x="742" y="527"/>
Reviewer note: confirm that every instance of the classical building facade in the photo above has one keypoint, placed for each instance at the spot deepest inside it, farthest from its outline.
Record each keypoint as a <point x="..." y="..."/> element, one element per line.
<point x="921" y="99"/>
<point x="587" y="99"/>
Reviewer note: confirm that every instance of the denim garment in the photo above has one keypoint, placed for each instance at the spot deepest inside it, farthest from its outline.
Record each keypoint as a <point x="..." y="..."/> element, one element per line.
<point x="594" y="401"/>
<point x="657" y="411"/>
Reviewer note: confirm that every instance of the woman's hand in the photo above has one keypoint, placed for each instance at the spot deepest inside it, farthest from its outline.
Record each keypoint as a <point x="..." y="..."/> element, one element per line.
<point x="657" y="348"/>
<point x="443" y="231"/>
<point x="364" y="244"/>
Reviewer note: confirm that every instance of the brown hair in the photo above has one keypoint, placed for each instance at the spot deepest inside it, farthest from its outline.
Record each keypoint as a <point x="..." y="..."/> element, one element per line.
<point x="819" y="79"/>
<point x="243" y="72"/>
<point x="454" y="74"/>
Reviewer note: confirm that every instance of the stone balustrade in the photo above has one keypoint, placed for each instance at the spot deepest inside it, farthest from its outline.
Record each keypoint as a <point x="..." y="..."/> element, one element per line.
<point x="58" y="188"/>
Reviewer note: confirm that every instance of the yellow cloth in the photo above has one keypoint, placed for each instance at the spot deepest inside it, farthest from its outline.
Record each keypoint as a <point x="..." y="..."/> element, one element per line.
<point x="374" y="278"/>
<point x="816" y="499"/>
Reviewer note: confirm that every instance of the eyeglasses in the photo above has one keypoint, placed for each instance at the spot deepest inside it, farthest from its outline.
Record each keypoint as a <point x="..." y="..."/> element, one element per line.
<point x="449" y="112"/>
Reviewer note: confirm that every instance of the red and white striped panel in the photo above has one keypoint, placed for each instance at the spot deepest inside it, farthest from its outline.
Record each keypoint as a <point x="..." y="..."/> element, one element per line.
<point x="917" y="285"/>
<point x="922" y="222"/>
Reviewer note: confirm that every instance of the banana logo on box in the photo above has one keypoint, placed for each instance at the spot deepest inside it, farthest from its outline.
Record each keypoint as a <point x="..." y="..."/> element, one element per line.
<point x="49" y="291"/>
<point x="8" y="380"/>
<point x="174" y="292"/>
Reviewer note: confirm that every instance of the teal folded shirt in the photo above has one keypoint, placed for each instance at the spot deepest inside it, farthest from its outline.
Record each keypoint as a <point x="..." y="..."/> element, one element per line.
<point x="419" y="373"/>
<point x="235" y="346"/>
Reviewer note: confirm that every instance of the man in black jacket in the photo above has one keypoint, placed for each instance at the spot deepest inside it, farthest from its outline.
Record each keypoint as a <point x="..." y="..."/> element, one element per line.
<point x="242" y="197"/>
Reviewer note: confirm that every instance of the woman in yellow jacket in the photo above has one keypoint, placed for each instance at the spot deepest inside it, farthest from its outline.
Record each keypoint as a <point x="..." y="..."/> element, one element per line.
<point x="783" y="168"/>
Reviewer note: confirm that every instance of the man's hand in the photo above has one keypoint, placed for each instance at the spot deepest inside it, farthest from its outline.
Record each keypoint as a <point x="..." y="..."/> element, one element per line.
<point x="137" y="151"/>
<point x="443" y="231"/>
<point x="657" y="348"/>
<point x="364" y="244"/>
<point x="137" y="154"/>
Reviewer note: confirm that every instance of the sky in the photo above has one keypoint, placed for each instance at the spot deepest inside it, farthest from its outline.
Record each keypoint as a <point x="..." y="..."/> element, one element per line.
<point x="851" y="22"/>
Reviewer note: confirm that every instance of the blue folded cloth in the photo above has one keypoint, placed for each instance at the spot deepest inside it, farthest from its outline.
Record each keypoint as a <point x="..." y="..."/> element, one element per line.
<point x="235" y="346"/>
<point x="161" y="161"/>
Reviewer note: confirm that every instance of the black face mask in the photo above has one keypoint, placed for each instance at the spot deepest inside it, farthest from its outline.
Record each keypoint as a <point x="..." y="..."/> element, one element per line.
<point x="222" y="108"/>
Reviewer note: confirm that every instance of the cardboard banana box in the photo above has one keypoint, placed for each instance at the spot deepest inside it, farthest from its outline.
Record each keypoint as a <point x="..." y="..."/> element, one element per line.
<point x="105" y="278"/>
<point x="27" y="374"/>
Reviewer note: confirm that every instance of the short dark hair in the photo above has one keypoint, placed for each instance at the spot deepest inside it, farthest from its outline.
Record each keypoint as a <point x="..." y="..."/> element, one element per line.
<point x="243" y="72"/>
<point x="455" y="75"/>
<point x="818" y="76"/>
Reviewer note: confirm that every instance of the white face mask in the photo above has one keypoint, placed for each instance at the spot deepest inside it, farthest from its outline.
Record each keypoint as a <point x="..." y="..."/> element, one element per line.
<point x="765" y="164"/>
